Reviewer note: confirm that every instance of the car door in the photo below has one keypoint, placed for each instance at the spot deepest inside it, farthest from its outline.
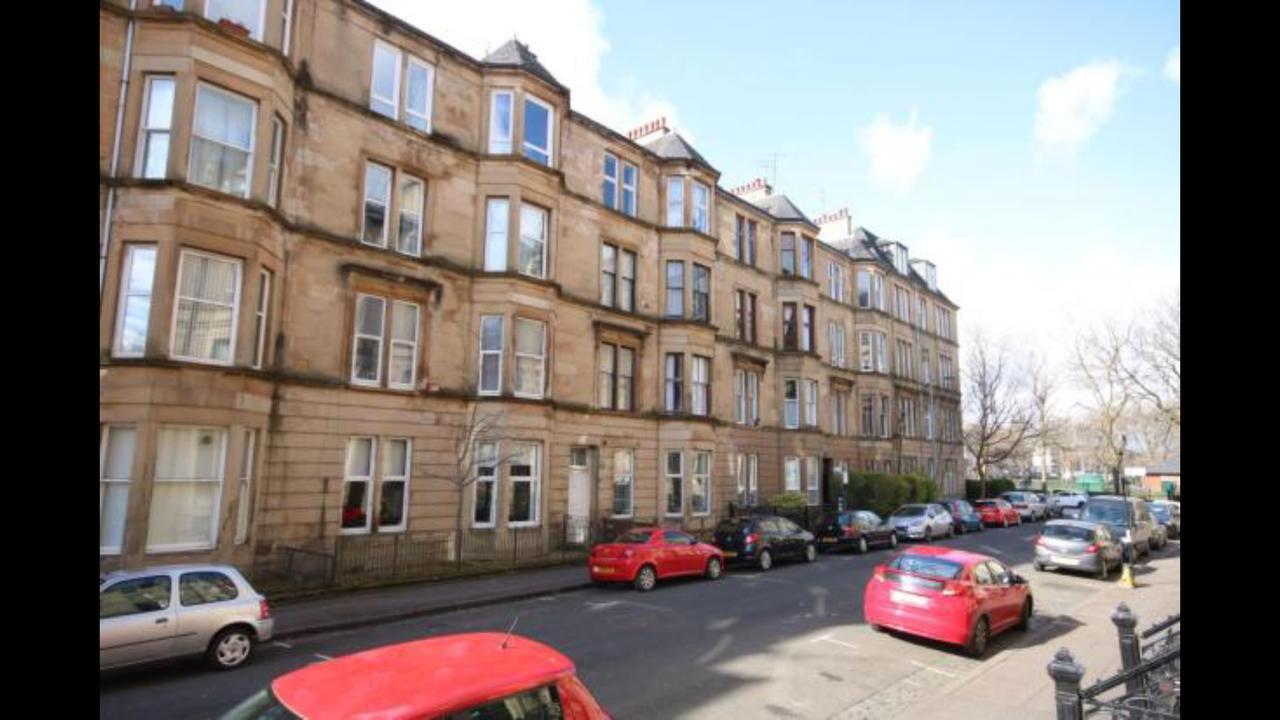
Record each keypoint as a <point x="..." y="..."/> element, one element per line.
<point x="942" y="520"/>
<point x="1006" y="603"/>
<point x="135" y="620"/>
<point x="796" y="540"/>
<point x="670" y="557"/>
<point x="207" y="600"/>
<point x="686" y="555"/>
<point x="985" y="590"/>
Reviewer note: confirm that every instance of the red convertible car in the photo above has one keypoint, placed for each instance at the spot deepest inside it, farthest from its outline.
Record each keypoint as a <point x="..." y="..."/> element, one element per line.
<point x="644" y="555"/>
<point x="949" y="595"/>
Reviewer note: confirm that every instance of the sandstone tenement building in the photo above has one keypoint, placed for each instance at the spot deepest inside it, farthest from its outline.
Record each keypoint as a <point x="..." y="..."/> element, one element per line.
<point x="327" y="235"/>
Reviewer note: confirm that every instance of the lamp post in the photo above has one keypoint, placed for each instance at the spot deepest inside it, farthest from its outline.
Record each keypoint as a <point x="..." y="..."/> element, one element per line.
<point x="1126" y="575"/>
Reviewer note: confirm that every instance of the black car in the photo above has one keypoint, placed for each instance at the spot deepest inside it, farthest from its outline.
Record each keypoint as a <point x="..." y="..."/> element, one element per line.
<point x="857" y="529"/>
<point x="761" y="539"/>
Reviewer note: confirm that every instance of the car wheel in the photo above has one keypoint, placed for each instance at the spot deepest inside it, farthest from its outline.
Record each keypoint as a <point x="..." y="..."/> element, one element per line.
<point x="862" y="545"/>
<point x="646" y="578"/>
<point x="961" y="531"/>
<point x="1103" y="570"/>
<point x="928" y="534"/>
<point x="1039" y="566"/>
<point x="230" y="648"/>
<point x="766" y="560"/>
<point x="1025" y="623"/>
<point x="810" y="553"/>
<point x="1006" y="522"/>
<point x="977" y="645"/>
<point x="714" y="570"/>
<point x="893" y="540"/>
<point x="877" y="628"/>
<point x="951" y="531"/>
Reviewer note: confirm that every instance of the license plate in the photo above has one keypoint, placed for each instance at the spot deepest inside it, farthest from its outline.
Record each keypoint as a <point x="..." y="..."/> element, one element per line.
<point x="1060" y="560"/>
<point x="730" y="553"/>
<point x="908" y="599"/>
<point x="603" y="570"/>
<point x="828" y="540"/>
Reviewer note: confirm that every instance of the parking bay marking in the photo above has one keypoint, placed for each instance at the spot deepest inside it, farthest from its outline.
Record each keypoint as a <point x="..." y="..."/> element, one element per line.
<point x="828" y="638"/>
<point x="758" y="577"/>
<point x="283" y="645"/>
<point x="919" y="664"/>
<point x="323" y="657"/>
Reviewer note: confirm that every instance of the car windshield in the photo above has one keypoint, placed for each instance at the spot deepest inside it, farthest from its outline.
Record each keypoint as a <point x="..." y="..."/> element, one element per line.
<point x="635" y="537"/>
<point x="908" y="511"/>
<point x="931" y="566"/>
<point x="1160" y="511"/>
<point x="1107" y="512"/>
<point x="1068" y="532"/>
<point x="262" y="705"/>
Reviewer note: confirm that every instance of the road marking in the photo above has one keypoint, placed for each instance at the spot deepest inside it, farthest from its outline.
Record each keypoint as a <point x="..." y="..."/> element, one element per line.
<point x="721" y="645"/>
<point x="990" y="549"/>
<point x="598" y="606"/>
<point x="323" y="657"/>
<point x="919" y="664"/>
<point x="283" y="645"/>
<point x="909" y="681"/>
<point x="761" y="579"/>
<point x="828" y="638"/>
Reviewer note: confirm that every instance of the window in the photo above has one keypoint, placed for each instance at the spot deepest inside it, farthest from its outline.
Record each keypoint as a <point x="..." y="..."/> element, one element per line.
<point x="747" y="396"/>
<point x="674" y="386"/>
<point x="533" y="241"/>
<point x="419" y="81"/>
<point x="806" y="258"/>
<point x="412" y="193"/>
<point x="222" y="141"/>
<point x="675" y="484"/>
<point x="675" y="289"/>
<point x="609" y="185"/>
<point x="864" y="289"/>
<point x="884" y="416"/>
<point x="623" y="477"/>
<point x="627" y="280"/>
<point x="871" y="351"/>
<point x="157" y="127"/>
<point x="675" y="202"/>
<point x="497" y="217"/>
<point x="208" y="308"/>
<point x="903" y="303"/>
<point x="366" y="358"/>
<point x="185" y="497"/>
<point x="377" y="204"/>
<point x="384" y="87"/>
<point x="791" y="402"/>
<point x="175" y="4"/>
<point x="814" y="467"/>
<point x="286" y="26"/>
<point x="491" y="339"/>
<point x="791" y="474"/>
<point x="839" y="412"/>
<point x="868" y="415"/>
<point x="811" y="403"/>
<point x="922" y="314"/>
<point x="538" y="121"/>
<point x="745" y="240"/>
<point x="928" y="423"/>
<point x="134" y="314"/>
<point x="744" y="310"/>
<point x="393" y="495"/>
<point x="134" y="596"/>
<point x="806" y="333"/>
<point x="946" y="370"/>
<point x="835" y="338"/>
<point x="701" y="208"/>
<point x="788" y="253"/>
<point x="701" y="293"/>
<point x="501" y="122"/>
<point x="531" y="343"/>
<point x="629" y="189"/>
<point x="904" y="358"/>
<point x="484" y="506"/>
<point x="700" y="386"/>
<point x="747" y="467"/>
<point x="356" y="483"/>
<point x="402" y="370"/>
<point x="835" y="282"/>
<point x="789" y="335"/>
<point x="700" y="491"/>
<point x="260" y="318"/>
<point x="244" y="491"/>
<point x="273" y="162"/>
<point x="114" y="469"/>
<point x="944" y="323"/>
<point x="248" y="14"/>
<point x="524" y="475"/>
<point x="201" y="588"/>
<point x="617" y="369"/>
<point x="926" y="373"/>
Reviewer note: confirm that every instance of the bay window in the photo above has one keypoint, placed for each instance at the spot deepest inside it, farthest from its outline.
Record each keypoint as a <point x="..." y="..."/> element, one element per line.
<point x="675" y="289"/>
<point x="501" y="122"/>
<point x="791" y="403"/>
<point x="531" y="343"/>
<point x="115" y="467"/>
<point x="533" y="241"/>
<point x="497" y="218"/>
<point x="806" y="332"/>
<point x="208" y="308"/>
<point x="675" y="202"/>
<point x="701" y="293"/>
<point x="806" y="258"/>
<point x="811" y="403"/>
<point x="700" y="488"/>
<point x="701" y="208"/>
<point x="157" y="126"/>
<point x="186" y="494"/>
<point x="134" y="314"/>
<point x="788" y="253"/>
<point x="274" y="161"/>
<point x="260" y="318"/>
<point x="222" y="141"/>
<point x="700" y="386"/>
<point x="244" y="491"/>
<point x="674" y="383"/>
<point x="539" y="120"/>
<point x="790" y="341"/>
<point x="491" y="342"/>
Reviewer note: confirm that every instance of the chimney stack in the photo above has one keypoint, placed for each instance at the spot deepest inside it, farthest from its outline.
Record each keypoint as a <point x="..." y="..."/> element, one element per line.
<point x="757" y="189"/>
<point x="836" y="225"/>
<point x="647" y="129"/>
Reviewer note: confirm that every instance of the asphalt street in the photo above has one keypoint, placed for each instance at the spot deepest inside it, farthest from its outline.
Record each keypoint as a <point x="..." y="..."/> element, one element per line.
<point x="789" y="643"/>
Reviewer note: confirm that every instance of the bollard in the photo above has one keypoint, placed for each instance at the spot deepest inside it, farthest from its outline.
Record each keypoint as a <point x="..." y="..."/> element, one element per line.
<point x="1066" y="674"/>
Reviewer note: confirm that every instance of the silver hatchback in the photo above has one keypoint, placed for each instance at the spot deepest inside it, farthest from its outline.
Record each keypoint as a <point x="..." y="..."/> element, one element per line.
<point x="177" y="610"/>
<point x="1077" y="545"/>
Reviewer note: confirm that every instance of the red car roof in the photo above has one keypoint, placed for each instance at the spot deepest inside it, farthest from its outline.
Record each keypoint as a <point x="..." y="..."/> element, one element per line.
<point x="420" y="678"/>
<point x="947" y="553"/>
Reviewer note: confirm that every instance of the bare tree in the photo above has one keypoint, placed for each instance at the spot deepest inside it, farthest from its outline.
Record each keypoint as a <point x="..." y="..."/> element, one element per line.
<point x="993" y="398"/>
<point x="477" y="427"/>
<point x="1048" y="427"/>
<point x="1154" y="366"/>
<point x="1099" y="365"/>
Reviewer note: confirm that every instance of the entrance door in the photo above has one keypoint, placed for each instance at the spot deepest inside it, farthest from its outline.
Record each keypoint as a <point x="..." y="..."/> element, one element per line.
<point x="578" y="515"/>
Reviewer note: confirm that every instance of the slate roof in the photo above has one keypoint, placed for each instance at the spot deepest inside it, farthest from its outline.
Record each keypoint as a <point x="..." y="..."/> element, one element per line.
<point x="867" y="246"/>
<point x="514" y="53"/>
<point x="674" y="147"/>
<point x="781" y="207"/>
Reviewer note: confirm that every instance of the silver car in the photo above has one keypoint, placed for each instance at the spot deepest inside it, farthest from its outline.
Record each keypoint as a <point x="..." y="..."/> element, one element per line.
<point x="1027" y="504"/>
<point x="176" y="610"/>
<point x="921" y="521"/>
<point x="1078" y="545"/>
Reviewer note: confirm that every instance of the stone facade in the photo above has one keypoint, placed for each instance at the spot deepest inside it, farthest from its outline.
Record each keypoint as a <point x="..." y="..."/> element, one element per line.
<point x="222" y="442"/>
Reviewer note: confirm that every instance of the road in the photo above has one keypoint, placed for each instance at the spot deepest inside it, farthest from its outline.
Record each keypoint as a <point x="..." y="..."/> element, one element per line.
<point x="789" y="643"/>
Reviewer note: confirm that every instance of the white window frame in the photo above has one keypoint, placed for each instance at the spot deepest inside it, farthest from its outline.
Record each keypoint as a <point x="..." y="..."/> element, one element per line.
<point x="542" y="240"/>
<point x="632" y="188"/>
<point x="551" y="130"/>
<point x="791" y="470"/>
<point x="535" y="489"/>
<point x="145" y="131"/>
<point x="274" y="161"/>
<point x="811" y="403"/>
<point x="668" y="477"/>
<point x="261" y="315"/>
<point x="104" y="481"/>
<point x="244" y="486"/>
<point x="492" y="479"/>
<point x="753" y="394"/>
<point x="385" y="478"/>
<point x="348" y="478"/>
<point x="286" y="30"/>
<point x="392" y="342"/>
<point x="747" y="475"/>
<point x="386" y="204"/>
<point x="493" y="261"/>
<point x="418" y="212"/>
<point x="430" y="91"/>
<point x="235" y="308"/>
<point x="219" y="474"/>
<point x="706" y="484"/>
<point x="499" y="145"/>
<point x="614" y="202"/>
<point x="394" y="100"/>
<point x="498" y="352"/>
<point x="356" y="336"/>
<point x="788" y="403"/>
<point x="541" y="358"/>
<point x="262" y="18"/>
<point x="126" y="293"/>
<point x="675" y="201"/>
<point x="629" y="483"/>
<point x="814" y="485"/>
<point x="253" y="123"/>
<point x="700" y="389"/>
<point x="704" y="208"/>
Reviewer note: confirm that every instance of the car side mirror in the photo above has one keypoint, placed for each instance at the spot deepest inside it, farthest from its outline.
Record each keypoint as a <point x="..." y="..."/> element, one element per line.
<point x="1019" y="580"/>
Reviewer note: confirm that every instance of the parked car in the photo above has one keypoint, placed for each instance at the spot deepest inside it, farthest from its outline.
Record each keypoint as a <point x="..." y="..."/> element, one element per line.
<point x="1118" y="513"/>
<point x="995" y="511"/>
<point x="1070" y="502"/>
<point x="963" y="516"/>
<point x="1168" y="514"/>
<point x="1027" y="504"/>
<point x="761" y="539"/>
<point x="1159" y="533"/>
<point x="643" y="556"/>
<point x="950" y="595"/>
<point x="922" y="521"/>
<point x="857" y="529"/>
<point x="172" y="611"/>
<point x="1051" y="507"/>
<point x="474" y="675"/>
<point x="1078" y="545"/>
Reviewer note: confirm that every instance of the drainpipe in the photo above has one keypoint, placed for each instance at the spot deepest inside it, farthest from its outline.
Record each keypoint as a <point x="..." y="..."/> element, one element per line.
<point x="105" y="244"/>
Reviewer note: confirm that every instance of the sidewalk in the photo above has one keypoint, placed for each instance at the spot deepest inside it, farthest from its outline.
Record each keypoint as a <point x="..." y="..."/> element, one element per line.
<point x="376" y="605"/>
<point x="1016" y="682"/>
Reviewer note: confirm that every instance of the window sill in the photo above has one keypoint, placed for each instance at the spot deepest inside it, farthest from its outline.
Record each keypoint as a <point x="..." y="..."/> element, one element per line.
<point x="520" y="525"/>
<point x="202" y="361"/>
<point x="168" y="549"/>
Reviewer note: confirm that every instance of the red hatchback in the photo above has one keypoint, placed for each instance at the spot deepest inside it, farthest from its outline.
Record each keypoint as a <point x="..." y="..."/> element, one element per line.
<point x="450" y="677"/>
<point x="997" y="512"/>
<point x="643" y="555"/>
<point x="950" y="595"/>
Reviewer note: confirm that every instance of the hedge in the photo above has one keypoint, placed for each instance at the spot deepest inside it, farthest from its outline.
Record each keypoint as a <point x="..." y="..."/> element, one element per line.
<point x="882" y="494"/>
<point x="791" y="501"/>
<point x="995" y="486"/>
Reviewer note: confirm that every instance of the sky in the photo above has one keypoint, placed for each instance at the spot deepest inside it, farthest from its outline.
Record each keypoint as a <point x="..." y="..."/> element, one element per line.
<point x="1029" y="150"/>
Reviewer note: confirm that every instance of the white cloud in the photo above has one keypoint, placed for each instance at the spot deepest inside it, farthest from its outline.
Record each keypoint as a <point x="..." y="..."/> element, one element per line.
<point x="899" y="153"/>
<point x="1072" y="106"/>
<point x="1173" y="65"/>
<point x="567" y="36"/>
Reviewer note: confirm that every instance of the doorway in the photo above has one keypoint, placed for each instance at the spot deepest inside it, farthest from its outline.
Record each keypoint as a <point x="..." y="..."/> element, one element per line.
<point x="578" y="512"/>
